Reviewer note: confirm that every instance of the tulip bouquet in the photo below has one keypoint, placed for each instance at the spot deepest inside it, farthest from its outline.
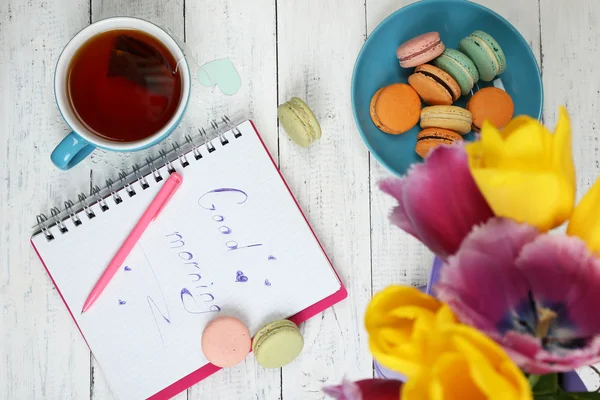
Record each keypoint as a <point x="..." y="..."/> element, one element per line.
<point x="514" y="303"/>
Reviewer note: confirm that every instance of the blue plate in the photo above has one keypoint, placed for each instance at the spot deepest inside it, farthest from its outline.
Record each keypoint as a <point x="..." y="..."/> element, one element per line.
<point x="377" y="66"/>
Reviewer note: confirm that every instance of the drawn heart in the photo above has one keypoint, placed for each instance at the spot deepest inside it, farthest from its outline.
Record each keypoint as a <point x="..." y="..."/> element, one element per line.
<point x="127" y="268"/>
<point x="222" y="73"/>
<point x="267" y="283"/>
<point x="121" y="302"/>
<point x="240" y="277"/>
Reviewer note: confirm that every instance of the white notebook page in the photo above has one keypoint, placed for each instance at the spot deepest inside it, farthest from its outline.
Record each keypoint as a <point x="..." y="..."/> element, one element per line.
<point x="230" y="242"/>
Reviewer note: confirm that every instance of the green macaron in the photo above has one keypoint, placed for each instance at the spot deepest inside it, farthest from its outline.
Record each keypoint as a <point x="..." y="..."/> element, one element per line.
<point x="299" y="122"/>
<point x="460" y="67"/>
<point x="277" y="344"/>
<point x="486" y="53"/>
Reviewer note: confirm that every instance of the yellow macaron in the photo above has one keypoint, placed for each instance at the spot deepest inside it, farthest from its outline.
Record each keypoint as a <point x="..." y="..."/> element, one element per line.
<point x="454" y="118"/>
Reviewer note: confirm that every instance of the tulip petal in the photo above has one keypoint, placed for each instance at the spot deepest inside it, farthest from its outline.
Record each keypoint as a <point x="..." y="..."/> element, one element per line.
<point x="403" y="318"/>
<point x="524" y="172"/>
<point x="562" y="157"/>
<point x="477" y="282"/>
<point x="507" y="191"/>
<point x="395" y="188"/>
<point x="346" y="391"/>
<point x="367" y="389"/>
<point x="506" y="275"/>
<point x="561" y="269"/>
<point x="467" y="365"/>
<point x="516" y="124"/>
<point x="488" y="371"/>
<point x="491" y="145"/>
<point x="527" y="352"/>
<point x="585" y="221"/>
<point x="438" y="201"/>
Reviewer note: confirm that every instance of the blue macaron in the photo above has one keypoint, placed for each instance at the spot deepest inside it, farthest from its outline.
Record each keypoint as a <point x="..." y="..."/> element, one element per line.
<point x="460" y="67"/>
<point x="486" y="53"/>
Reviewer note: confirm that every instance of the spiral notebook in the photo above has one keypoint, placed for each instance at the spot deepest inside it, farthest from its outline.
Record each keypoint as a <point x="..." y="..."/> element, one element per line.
<point x="232" y="241"/>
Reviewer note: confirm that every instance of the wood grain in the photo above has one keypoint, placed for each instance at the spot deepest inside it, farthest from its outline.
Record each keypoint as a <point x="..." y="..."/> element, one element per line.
<point x="317" y="44"/>
<point x="41" y="352"/>
<point x="570" y="44"/>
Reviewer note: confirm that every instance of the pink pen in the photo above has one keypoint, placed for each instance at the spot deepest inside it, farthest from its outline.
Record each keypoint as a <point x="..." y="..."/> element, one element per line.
<point x="160" y="201"/>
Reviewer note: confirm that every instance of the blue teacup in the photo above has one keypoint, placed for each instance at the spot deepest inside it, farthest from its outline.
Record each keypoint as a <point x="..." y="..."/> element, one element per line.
<point x="78" y="144"/>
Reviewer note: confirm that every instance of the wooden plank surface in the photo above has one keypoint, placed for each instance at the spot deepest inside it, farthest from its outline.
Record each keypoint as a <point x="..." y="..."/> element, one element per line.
<point x="570" y="43"/>
<point x="41" y="351"/>
<point x="317" y="48"/>
<point x="281" y="49"/>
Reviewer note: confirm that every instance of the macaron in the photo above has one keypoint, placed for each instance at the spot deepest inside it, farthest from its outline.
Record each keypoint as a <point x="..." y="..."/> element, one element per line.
<point x="420" y="49"/>
<point x="299" y="122"/>
<point x="277" y="344"/>
<point x="430" y="138"/>
<point x="454" y="118"/>
<point x="226" y="341"/>
<point x="460" y="67"/>
<point x="491" y="104"/>
<point x="434" y="86"/>
<point x="486" y="53"/>
<point x="395" y="108"/>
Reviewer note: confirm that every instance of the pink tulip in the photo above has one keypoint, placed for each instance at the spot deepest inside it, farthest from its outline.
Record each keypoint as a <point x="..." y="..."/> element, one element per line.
<point x="367" y="389"/>
<point x="438" y="200"/>
<point x="535" y="294"/>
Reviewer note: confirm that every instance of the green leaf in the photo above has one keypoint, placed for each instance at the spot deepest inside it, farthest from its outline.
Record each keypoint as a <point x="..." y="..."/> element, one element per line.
<point x="546" y="385"/>
<point x="533" y="379"/>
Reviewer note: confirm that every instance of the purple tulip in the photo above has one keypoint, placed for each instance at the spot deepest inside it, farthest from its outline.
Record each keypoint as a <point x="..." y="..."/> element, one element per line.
<point x="438" y="200"/>
<point x="535" y="294"/>
<point x="367" y="389"/>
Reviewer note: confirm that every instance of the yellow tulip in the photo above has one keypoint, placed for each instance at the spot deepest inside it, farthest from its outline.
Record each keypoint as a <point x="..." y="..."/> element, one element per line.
<point x="464" y="363"/>
<point x="525" y="172"/>
<point x="585" y="221"/>
<point x="399" y="321"/>
<point x="418" y="336"/>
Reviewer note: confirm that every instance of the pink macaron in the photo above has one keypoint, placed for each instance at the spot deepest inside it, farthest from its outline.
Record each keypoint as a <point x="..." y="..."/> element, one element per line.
<point x="226" y="341"/>
<point x="420" y="50"/>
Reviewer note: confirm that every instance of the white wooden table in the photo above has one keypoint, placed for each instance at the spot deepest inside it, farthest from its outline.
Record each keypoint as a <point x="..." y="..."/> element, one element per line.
<point x="281" y="48"/>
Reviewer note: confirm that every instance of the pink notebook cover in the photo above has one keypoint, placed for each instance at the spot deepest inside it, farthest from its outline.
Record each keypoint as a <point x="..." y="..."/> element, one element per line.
<point x="209" y="369"/>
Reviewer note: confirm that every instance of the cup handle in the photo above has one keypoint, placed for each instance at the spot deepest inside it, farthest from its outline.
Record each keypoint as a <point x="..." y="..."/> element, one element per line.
<point x="70" y="151"/>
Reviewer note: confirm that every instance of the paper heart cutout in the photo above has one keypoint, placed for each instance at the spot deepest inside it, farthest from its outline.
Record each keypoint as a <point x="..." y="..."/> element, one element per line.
<point x="240" y="277"/>
<point x="222" y="73"/>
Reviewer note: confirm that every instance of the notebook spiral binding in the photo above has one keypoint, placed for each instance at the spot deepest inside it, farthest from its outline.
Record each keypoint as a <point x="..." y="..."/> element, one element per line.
<point x="139" y="175"/>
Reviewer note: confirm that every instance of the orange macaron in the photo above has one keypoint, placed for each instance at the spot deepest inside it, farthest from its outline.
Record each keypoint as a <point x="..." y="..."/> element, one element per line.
<point x="435" y="86"/>
<point x="493" y="105"/>
<point x="430" y="138"/>
<point x="396" y="108"/>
